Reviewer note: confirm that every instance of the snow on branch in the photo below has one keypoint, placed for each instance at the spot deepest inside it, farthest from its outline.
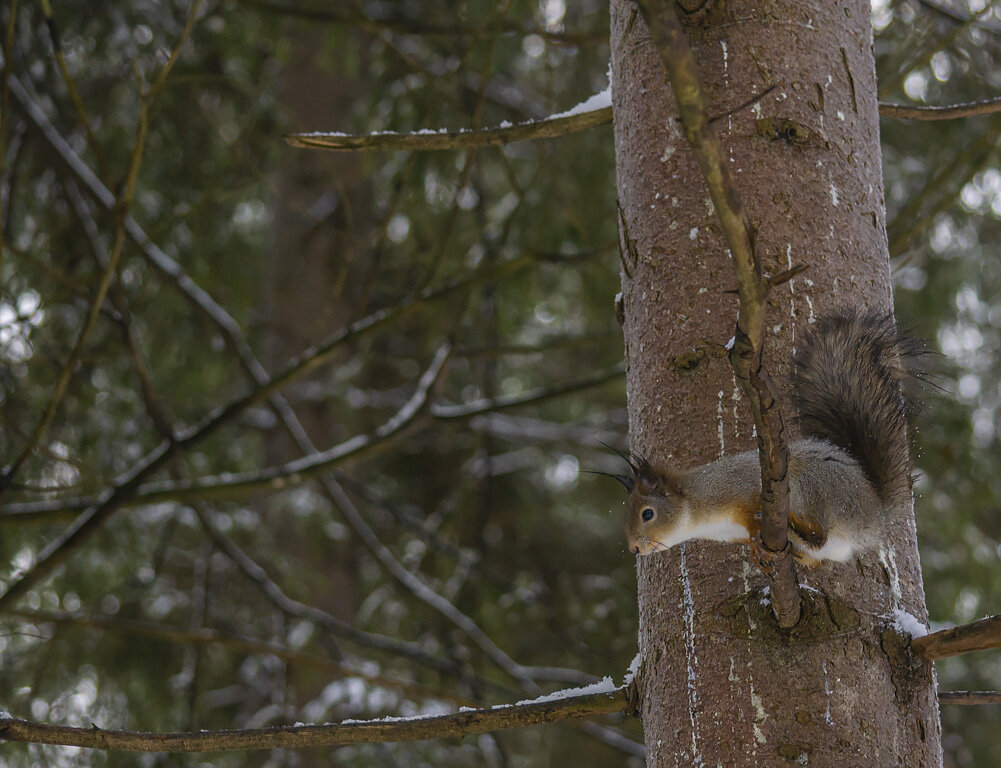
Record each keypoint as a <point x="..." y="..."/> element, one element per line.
<point x="595" y="111"/>
<point x="976" y="636"/>
<point x="600" y="698"/>
<point x="591" y="113"/>
<point x="775" y="553"/>
<point x="945" y="112"/>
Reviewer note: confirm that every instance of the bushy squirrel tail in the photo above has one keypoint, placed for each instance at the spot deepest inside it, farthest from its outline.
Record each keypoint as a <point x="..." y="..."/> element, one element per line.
<point x="849" y="389"/>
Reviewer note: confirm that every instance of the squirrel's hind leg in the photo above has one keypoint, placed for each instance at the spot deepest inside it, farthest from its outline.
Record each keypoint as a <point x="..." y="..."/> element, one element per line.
<point x="807" y="536"/>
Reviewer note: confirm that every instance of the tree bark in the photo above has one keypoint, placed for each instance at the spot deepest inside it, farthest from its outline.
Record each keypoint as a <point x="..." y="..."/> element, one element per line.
<point x="720" y="683"/>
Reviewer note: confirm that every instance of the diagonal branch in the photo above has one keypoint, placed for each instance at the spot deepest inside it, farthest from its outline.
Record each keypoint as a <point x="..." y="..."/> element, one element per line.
<point x="127" y="485"/>
<point x="431" y="598"/>
<point x="328" y="621"/>
<point x="122" y="203"/>
<point x="600" y="699"/>
<point x="745" y="356"/>
<point x="297" y="471"/>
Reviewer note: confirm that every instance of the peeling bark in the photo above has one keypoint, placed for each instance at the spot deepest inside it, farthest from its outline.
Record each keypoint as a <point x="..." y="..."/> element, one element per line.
<point x="720" y="682"/>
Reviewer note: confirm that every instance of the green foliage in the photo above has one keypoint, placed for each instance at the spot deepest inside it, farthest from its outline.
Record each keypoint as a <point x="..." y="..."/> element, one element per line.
<point x="491" y="510"/>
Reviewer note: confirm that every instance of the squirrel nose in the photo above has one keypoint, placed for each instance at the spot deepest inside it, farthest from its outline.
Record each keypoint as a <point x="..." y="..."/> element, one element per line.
<point x="636" y="549"/>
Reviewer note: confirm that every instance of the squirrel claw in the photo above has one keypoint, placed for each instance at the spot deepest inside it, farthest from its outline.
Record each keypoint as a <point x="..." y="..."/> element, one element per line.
<point x="765" y="557"/>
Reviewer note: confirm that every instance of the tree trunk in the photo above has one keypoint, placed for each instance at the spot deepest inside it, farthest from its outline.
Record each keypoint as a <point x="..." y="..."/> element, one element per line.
<point x="316" y="271"/>
<point x="721" y="684"/>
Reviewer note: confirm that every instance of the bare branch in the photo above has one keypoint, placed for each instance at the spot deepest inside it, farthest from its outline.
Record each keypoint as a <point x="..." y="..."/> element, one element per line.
<point x="331" y="623"/>
<point x="121" y="206"/>
<point x="564" y="125"/>
<point x="976" y="636"/>
<point x="295" y="472"/>
<point x="776" y="554"/>
<point x="546" y="709"/>
<point x="946" y="112"/>
<point x="468" y="410"/>
<point x="81" y="110"/>
<point x="549" y="128"/>
<point x="431" y="598"/>
<point x="298" y="470"/>
<point x="127" y="485"/>
<point x="969" y="698"/>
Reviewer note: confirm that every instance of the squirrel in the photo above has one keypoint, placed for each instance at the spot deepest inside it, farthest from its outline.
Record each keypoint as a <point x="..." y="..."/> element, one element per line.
<point x="849" y="477"/>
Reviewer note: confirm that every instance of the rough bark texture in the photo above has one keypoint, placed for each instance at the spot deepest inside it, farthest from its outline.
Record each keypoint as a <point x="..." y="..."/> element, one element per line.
<point x="720" y="683"/>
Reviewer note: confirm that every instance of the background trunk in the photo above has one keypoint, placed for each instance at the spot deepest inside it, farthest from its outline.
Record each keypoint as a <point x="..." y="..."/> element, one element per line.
<point x="720" y="683"/>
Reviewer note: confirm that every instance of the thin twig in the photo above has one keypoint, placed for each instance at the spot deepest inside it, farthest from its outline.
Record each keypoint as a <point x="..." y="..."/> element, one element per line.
<point x="468" y="410"/>
<point x="457" y="725"/>
<point x="745" y="356"/>
<point x="297" y="471"/>
<point x="127" y="485"/>
<point x="122" y="203"/>
<point x="71" y="89"/>
<point x="331" y="623"/>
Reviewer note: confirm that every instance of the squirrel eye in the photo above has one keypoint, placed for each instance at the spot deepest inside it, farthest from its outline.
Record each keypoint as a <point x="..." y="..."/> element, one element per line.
<point x="647" y="515"/>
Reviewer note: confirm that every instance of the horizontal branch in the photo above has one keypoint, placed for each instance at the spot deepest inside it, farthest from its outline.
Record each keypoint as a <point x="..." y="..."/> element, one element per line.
<point x="969" y="698"/>
<point x="600" y="699"/>
<point x="564" y="125"/>
<point x="492" y="405"/>
<point x="976" y="636"/>
<point x="551" y="127"/>
<point x="946" y="112"/>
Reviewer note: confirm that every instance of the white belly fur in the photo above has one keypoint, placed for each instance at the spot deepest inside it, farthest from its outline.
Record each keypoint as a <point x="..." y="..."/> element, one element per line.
<point x="835" y="548"/>
<point x="720" y="529"/>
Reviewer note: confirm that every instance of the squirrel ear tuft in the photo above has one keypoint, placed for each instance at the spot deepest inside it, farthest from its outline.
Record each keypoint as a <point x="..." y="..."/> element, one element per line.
<point x="664" y="479"/>
<point x="656" y="478"/>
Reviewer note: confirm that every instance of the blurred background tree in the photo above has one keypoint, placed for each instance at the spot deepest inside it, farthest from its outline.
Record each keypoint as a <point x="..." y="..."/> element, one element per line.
<point x="215" y="248"/>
